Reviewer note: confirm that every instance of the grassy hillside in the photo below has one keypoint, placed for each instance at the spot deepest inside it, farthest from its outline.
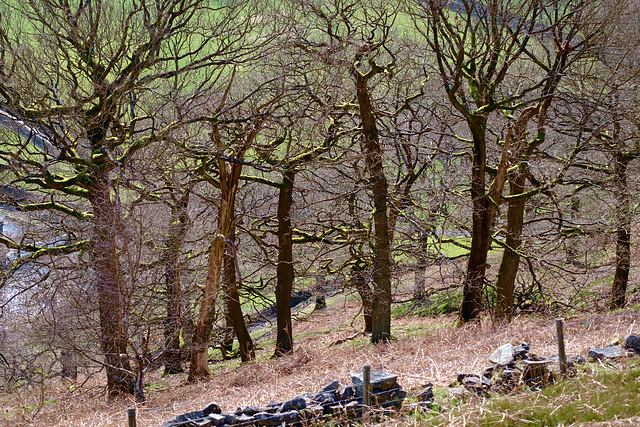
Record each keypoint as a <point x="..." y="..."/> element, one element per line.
<point x="329" y="345"/>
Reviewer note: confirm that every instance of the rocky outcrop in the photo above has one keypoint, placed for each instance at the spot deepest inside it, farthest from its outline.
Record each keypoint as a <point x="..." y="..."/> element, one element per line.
<point x="331" y="400"/>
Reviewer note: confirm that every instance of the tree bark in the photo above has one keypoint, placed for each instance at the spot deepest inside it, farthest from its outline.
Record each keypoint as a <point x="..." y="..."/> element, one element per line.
<point x="235" y="318"/>
<point x="482" y="219"/>
<point x="174" y="325"/>
<point x="421" y="268"/>
<point x="381" y="300"/>
<point x="285" y="273"/>
<point x="623" y="234"/>
<point x="359" y="280"/>
<point x="113" y="334"/>
<point x="321" y="301"/>
<point x="485" y="207"/>
<point x="505" y="284"/>
<point x="199" y="359"/>
<point x="571" y="242"/>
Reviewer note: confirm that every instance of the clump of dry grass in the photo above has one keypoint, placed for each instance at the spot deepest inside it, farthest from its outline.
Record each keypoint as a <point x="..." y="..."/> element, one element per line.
<point x="424" y="350"/>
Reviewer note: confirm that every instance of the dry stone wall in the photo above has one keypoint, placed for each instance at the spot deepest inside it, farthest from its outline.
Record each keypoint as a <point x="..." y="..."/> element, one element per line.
<point x="330" y="401"/>
<point x="511" y="366"/>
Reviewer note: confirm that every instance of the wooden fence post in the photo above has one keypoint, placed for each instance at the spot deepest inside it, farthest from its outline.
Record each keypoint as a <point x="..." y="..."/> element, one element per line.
<point x="131" y="415"/>
<point x="561" y="354"/>
<point x="366" y="386"/>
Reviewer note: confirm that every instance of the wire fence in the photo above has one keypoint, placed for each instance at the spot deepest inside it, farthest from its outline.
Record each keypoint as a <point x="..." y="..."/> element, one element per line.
<point x="424" y="368"/>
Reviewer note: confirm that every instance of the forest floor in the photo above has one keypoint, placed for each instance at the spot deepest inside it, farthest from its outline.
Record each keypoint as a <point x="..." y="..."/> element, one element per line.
<point x="328" y="346"/>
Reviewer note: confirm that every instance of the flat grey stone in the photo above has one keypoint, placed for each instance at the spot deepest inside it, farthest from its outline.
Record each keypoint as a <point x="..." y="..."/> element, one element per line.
<point x="274" y="404"/>
<point x="333" y="386"/>
<point x="503" y="355"/>
<point x="243" y="419"/>
<point x="217" y="419"/>
<point x="185" y="419"/>
<point x="610" y="352"/>
<point x="477" y="382"/>
<point x="307" y="396"/>
<point x="380" y="380"/>
<point x="290" y="417"/>
<point x="267" y="419"/>
<point x="295" y="403"/>
<point x="325" y="399"/>
<point x="464" y="374"/>
<point x="249" y="410"/>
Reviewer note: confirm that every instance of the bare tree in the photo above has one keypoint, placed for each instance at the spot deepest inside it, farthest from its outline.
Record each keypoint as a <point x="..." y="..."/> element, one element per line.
<point x="485" y="54"/>
<point x="90" y="85"/>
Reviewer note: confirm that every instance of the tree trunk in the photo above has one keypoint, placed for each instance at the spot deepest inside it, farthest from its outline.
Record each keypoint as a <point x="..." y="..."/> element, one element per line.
<point x="228" y="281"/>
<point x="421" y="268"/>
<point x="381" y="300"/>
<point x="321" y="301"/>
<point x="361" y="284"/>
<point x="623" y="234"/>
<point x="285" y="273"/>
<point x="485" y="207"/>
<point x="113" y="334"/>
<point x="228" y="335"/>
<point x="481" y="229"/>
<point x="510" y="257"/>
<point x="235" y="318"/>
<point x="477" y="265"/>
<point x="571" y="242"/>
<point x="199" y="359"/>
<point x="174" y="325"/>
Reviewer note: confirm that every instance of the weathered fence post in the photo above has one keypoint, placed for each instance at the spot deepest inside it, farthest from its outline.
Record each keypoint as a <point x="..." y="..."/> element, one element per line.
<point x="366" y="386"/>
<point x="561" y="354"/>
<point x="366" y="392"/>
<point x="131" y="414"/>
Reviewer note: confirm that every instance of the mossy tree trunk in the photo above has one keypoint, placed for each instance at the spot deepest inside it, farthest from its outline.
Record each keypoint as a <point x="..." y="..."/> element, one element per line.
<point x="623" y="232"/>
<point x="505" y="283"/>
<point x="229" y="176"/>
<point x="373" y="153"/>
<point x="361" y="283"/>
<point x="234" y="316"/>
<point x="108" y="283"/>
<point x="285" y="273"/>
<point x="175" y="319"/>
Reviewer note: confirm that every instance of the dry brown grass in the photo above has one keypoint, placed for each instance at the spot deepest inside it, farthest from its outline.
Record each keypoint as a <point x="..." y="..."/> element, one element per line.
<point x="425" y="350"/>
